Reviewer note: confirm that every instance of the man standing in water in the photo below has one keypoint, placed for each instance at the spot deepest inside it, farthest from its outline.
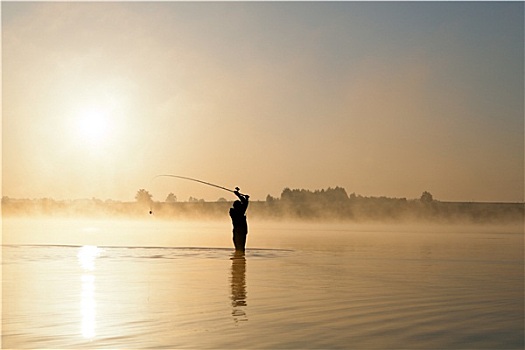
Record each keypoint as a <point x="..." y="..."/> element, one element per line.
<point x="238" y="215"/>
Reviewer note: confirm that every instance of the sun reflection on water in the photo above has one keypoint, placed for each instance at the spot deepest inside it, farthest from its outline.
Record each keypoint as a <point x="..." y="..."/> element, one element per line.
<point x="87" y="255"/>
<point x="86" y="259"/>
<point x="87" y="306"/>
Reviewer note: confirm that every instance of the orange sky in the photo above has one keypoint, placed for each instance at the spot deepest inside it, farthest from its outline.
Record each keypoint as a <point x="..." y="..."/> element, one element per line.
<point x="379" y="98"/>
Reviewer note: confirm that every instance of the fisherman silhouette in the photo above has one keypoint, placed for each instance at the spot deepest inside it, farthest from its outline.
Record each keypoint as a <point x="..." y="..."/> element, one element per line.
<point x="238" y="215"/>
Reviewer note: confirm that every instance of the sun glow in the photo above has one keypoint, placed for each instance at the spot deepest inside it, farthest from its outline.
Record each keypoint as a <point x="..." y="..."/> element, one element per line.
<point x="93" y="126"/>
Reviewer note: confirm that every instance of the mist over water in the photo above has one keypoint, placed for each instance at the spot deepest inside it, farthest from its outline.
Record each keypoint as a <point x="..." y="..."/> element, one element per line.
<point x="85" y="283"/>
<point x="326" y="205"/>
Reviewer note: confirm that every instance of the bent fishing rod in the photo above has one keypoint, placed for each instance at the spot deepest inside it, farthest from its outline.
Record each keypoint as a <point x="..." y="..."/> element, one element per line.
<point x="237" y="189"/>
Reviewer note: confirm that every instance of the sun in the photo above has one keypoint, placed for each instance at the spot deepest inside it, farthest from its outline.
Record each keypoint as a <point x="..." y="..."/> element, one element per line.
<point x="93" y="126"/>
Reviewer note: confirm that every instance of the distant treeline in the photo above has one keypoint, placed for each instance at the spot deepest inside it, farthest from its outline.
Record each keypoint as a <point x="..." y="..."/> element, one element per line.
<point x="296" y="204"/>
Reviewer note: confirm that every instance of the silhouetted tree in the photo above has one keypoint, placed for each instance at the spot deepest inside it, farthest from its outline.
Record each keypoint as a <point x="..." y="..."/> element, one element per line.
<point x="270" y="199"/>
<point x="426" y="197"/>
<point x="336" y="194"/>
<point x="143" y="196"/>
<point x="286" y="194"/>
<point x="171" y="198"/>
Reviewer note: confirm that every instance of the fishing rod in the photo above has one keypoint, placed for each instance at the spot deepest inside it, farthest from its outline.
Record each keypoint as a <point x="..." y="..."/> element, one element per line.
<point x="237" y="189"/>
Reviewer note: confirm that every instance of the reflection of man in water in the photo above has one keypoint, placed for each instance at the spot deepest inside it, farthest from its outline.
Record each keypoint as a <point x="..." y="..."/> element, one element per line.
<point x="238" y="284"/>
<point x="238" y="215"/>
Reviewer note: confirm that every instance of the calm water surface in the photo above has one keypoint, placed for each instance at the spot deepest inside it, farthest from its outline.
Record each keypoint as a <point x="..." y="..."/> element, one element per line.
<point x="98" y="284"/>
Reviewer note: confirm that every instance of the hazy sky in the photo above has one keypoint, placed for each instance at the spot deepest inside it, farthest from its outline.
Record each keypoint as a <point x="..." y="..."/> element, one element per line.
<point x="382" y="98"/>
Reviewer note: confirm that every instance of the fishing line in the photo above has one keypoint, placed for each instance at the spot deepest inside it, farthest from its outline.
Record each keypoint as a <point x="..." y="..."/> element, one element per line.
<point x="195" y="180"/>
